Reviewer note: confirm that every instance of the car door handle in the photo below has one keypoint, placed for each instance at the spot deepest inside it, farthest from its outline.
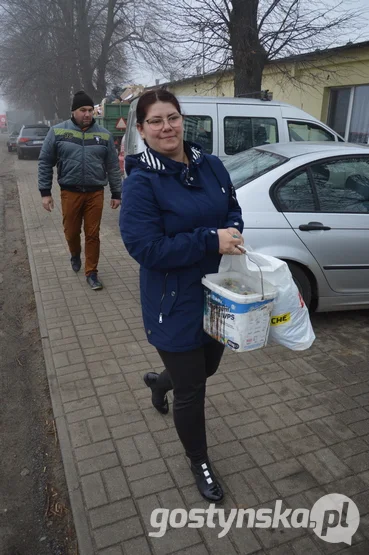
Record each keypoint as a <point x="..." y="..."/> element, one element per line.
<point x="314" y="226"/>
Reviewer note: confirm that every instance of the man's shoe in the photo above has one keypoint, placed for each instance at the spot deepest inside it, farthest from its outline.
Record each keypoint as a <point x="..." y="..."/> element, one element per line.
<point x="93" y="282"/>
<point x="206" y="482"/>
<point x="76" y="263"/>
<point x="158" y="396"/>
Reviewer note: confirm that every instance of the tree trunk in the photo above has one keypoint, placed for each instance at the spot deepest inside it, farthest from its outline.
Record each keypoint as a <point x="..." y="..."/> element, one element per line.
<point x="84" y="52"/>
<point x="249" y="56"/>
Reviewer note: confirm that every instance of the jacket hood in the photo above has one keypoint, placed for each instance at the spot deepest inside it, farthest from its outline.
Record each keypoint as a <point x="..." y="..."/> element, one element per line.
<point x="153" y="161"/>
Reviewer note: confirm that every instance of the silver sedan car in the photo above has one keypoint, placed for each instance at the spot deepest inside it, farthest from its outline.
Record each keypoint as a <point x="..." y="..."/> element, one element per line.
<point x="308" y="204"/>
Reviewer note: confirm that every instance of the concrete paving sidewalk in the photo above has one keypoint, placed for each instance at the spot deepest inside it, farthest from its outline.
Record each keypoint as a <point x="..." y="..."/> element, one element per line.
<point x="281" y="425"/>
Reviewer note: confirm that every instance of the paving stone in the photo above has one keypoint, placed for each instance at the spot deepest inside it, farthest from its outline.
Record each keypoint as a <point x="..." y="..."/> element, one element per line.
<point x="358" y="463"/>
<point x="349" y="448"/>
<point x="264" y="400"/>
<point x="81" y="404"/>
<point x="115" y="483"/>
<point x="293" y="433"/>
<point x="115" y="550"/>
<point x="349" y="486"/>
<point x="279" y="470"/>
<point x="108" y="514"/>
<point x="153" y="484"/>
<point x="257" y="451"/>
<point x="220" y="430"/>
<point x="242" y="418"/>
<point x="286" y="414"/>
<point x="117" y="532"/>
<point x="98" y="428"/>
<point x="137" y="546"/>
<point x="252" y="392"/>
<point x="317" y="469"/>
<point x="275" y="447"/>
<point x="305" y="546"/>
<point x="270" y="418"/>
<point x="305" y="444"/>
<point x="143" y="470"/>
<point x="240" y="490"/>
<point x="250" y="430"/>
<point x="360" y="428"/>
<point x="98" y="463"/>
<point x="79" y="434"/>
<point x="93" y="490"/>
<point x="233" y="464"/>
<point x="129" y="429"/>
<point x="336" y="467"/>
<point x="288" y="389"/>
<point x="259" y="485"/>
<point x="84" y="414"/>
<point x="94" y="450"/>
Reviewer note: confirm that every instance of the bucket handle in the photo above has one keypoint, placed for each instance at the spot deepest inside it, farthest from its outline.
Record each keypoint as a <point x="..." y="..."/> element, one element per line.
<point x="242" y="249"/>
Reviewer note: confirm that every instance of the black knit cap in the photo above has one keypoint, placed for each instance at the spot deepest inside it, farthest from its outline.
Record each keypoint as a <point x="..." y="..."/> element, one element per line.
<point x="81" y="99"/>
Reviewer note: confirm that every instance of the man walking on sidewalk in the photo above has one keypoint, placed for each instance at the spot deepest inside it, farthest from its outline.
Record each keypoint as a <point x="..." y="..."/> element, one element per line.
<point x="86" y="160"/>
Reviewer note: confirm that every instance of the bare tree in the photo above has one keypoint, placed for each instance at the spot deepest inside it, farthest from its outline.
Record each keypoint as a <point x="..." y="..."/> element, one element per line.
<point x="245" y="34"/>
<point x="60" y="46"/>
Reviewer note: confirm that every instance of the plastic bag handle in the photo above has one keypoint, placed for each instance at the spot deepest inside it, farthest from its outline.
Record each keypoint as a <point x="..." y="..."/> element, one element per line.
<point x="242" y="249"/>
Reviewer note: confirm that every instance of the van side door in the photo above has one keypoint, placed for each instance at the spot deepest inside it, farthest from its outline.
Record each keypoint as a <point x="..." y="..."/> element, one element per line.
<point x="242" y="126"/>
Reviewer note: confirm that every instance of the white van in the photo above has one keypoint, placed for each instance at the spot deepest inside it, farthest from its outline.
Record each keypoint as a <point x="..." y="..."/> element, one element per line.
<point x="225" y="126"/>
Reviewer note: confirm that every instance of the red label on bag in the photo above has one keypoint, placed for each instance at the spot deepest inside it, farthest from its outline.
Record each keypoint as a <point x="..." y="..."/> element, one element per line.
<point x="302" y="304"/>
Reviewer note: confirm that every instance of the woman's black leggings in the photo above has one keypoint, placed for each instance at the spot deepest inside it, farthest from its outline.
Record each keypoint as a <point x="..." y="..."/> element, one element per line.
<point x="186" y="374"/>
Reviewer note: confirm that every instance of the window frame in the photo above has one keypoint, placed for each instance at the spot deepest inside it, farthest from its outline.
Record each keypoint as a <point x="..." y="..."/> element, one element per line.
<point x="247" y="118"/>
<point x="307" y="167"/>
<point x="352" y="89"/>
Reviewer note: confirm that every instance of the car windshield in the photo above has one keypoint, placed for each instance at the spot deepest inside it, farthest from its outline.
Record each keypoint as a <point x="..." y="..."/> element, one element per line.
<point x="35" y="131"/>
<point x="248" y="165"/>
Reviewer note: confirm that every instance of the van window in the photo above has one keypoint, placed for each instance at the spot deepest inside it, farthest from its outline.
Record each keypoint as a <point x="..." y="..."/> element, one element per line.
<point x="307" y="131"/>
<point x="199" y="129"/>
<point x="243" y="133"/>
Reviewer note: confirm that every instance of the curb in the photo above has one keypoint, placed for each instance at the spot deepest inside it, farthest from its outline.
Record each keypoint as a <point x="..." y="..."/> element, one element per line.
<point x="85" y="545"/>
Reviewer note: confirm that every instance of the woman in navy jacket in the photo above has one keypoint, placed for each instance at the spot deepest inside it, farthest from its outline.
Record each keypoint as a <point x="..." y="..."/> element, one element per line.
<point x="179" y="215"/>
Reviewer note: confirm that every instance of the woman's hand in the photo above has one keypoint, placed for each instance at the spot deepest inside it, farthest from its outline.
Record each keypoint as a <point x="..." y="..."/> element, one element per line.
<point x="228" y="241"/>
<point x="235" y="233"/>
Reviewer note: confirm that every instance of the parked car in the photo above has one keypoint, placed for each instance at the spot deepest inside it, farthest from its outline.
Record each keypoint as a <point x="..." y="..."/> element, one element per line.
<point x="308" y="204"/>
<point x="30" y="139"/>
<point x="12" y="141"/>
<point x="226" y="126"/>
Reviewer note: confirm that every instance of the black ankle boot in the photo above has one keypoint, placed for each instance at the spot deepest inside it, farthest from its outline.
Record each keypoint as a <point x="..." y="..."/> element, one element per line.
<point x="206" y="482"/>
<point x="158" y="396"/>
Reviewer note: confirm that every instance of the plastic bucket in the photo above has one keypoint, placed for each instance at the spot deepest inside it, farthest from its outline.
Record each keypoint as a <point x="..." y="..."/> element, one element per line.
<point x="239" y="321"/>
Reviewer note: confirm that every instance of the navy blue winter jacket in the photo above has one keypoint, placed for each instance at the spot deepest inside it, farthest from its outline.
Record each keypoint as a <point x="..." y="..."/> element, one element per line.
<point x="169" y="221"/>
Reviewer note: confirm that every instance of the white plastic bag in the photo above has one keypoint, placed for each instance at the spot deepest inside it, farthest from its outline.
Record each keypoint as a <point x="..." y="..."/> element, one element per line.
<point x="290" y="322"/>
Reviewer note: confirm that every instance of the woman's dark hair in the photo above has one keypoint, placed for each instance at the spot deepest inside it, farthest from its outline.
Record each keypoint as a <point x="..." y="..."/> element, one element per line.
<point x="149" y="98"/>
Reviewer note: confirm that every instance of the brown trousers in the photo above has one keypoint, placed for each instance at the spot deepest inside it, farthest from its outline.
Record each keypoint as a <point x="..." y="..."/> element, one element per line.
<point x="86" y="207"/>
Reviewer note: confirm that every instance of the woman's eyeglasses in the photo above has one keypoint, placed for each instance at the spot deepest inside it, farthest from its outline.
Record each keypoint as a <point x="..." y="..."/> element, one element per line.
<point x="158" y="123"/>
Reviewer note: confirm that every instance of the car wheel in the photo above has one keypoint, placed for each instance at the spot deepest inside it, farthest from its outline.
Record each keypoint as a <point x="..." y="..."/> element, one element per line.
<point x="9" y="149"/>
<point x="302" y="282"/>
<point x="20" y="155"/>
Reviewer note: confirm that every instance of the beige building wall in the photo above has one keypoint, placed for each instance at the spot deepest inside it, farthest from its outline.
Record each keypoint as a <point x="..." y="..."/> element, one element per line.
<point x="305" y="84"/>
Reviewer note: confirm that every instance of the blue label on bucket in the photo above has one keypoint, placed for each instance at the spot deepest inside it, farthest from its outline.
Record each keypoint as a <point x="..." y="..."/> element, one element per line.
<point x="233" y="307"/>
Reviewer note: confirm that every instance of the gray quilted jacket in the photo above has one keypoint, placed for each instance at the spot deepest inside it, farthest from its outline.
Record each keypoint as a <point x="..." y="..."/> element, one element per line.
<point x="85" y="160"/>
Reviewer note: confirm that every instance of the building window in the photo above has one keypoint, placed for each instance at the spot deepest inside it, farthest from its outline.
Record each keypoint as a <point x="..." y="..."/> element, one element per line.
<point x="348" y="113"/>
